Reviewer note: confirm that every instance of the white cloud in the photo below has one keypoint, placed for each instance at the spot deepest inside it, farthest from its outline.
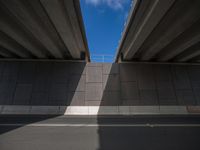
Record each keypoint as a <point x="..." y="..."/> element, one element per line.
<point x="114" y="4"/>
<point x="94" y="2"/>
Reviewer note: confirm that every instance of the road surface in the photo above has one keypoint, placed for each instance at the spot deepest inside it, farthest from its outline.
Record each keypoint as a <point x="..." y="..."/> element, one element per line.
<point x="99" y="133"/>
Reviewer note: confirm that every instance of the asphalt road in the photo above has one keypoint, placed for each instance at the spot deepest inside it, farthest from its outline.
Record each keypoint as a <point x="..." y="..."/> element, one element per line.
<point x="99" y="133"/>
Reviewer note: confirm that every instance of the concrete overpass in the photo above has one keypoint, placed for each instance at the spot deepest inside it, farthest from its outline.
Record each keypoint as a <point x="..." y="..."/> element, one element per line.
<point x="32" y="31"/>
<point x="42" y="29"/>
<point x="46" y="81"/>
<point x="162" y="31"/>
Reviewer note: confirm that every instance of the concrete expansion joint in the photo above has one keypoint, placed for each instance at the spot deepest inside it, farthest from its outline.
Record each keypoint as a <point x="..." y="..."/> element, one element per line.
<point x="99" y="110"/>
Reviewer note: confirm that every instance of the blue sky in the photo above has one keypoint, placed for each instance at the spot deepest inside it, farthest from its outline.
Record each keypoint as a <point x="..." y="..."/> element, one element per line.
<point x="104" y="22"/>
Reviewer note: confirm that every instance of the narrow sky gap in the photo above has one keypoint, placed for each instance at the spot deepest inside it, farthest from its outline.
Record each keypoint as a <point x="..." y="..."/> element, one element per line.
<point x="104" y="22"/>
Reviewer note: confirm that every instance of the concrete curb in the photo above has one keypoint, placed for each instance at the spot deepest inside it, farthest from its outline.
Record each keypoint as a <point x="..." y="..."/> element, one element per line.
<point x="193" y="109"/>
<point x="44" y="110"/>
<point x="98" y="110"/>
<point x="8" y="109"/>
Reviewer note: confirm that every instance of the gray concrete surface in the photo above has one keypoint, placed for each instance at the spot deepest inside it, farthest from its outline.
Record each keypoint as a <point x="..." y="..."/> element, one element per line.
<point x="99" y="133"/>
<point x="79" y="84"/>
<point x="42" y="29"/>
<point x="161" y="31"/>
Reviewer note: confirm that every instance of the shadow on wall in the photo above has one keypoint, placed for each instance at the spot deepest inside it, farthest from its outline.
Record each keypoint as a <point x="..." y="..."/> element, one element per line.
<point x="147" y="85"/>
<point x="129" y="84"/>
<point x="40" y="84"/>
<point x="96" y="84"/>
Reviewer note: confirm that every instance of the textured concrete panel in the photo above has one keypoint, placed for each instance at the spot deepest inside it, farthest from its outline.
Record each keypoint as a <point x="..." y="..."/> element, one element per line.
<point x="110" y="99"/>
<point x="149" y="97"/>
<point x="26" y="73"/>
<point x="94" y="74"/>
<point x="129" y="90"/>
<point x="10" y="72"/>
<point x="162" y="85"/>
<point x="60" y="72"/>
<point x="167" y="97"/>
<point x="194" y="75"/>
<point x="94" y="64"/>
<point x="76" y="98"/>
<point x="150" y="86"/>
<point x="163" y="76"/>
<point x="39" y="98"/>
<point x="43" y="71"/>
<point x="94" y="91"/>
<point x="186" y="97"/>
<point x="180" y="77"/>
<point x="130" y="102"/>
<point x="1" y="69"/>
<point x="77" y="68"/>
<point x="7" y="86"/>
<point x="128" y="72"/>
<point x="77" y="83"/>
<point x="111" y="82"/>
<point x="93" y="103"/>
<point x="110" y="68"/>
<point x="168" y="102"/>
<point x="22" y="94"/>
<point x="42" y="86"/>
<point x="6" y="98"/>
<point x="58" y="94"/>
<point x="197" y="95"/>
<point x="59" y="78"/>
<point x="162" y="72"/>
<point x="146" y="77"/>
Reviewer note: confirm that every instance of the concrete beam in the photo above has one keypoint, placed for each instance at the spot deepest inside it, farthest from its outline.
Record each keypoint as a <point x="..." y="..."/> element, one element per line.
<point x="11" y="27"/>
<point x="154" y="13"/>
<point x="44" y="29"/>
<point x="66" y="24"/>
<point x="160" y="30"/>
<point x="177" y="21"/>
<point x="189" y="54"/>
<point x="181" y="43"/>
<point x="5" y="53"/>
<point x="13" y="47"/>
<point x="35" y="23"/>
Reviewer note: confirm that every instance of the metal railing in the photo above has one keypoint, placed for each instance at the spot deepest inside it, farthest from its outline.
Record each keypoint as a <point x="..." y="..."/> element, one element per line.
<point x="102" y="58"/>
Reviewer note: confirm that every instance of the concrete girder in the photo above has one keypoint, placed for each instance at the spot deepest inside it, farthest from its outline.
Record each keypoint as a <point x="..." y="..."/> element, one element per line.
<point x="10" y="26"/>
<point x="22" y="10"/>
<point x="66" y="24"/>
<point x="158" y="32"/>
<point x="12" y="46"/>
<point x="189" y="54"/>
<point x="44" y="29"/>
<point x="6" y="53"/>
<point x="170" y="27"/>
<point x="154" y="13"/>
<point x="181" y="43"/>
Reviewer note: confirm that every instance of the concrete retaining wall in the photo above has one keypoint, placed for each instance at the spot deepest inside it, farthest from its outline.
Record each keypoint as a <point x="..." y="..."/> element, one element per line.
<point x="80" y="84"/>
